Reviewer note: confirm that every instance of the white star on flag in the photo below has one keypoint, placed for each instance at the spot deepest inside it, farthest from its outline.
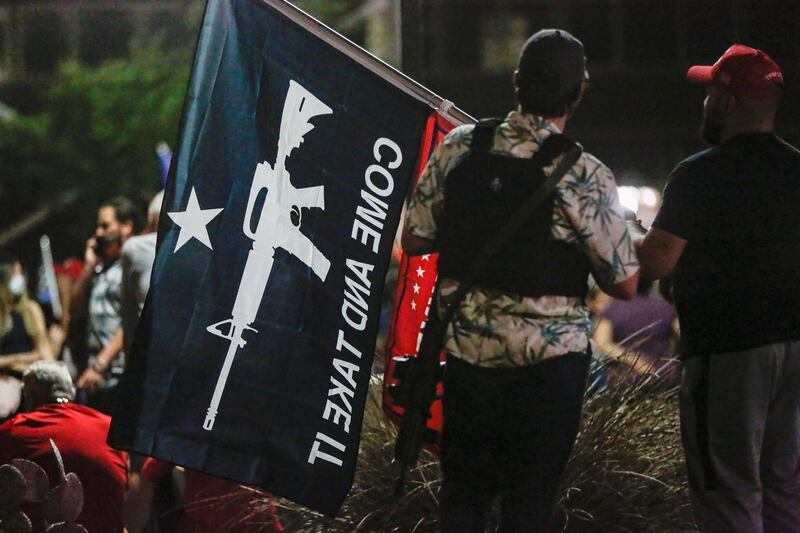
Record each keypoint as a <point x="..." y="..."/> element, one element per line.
<point x="413" y="305"/>
<point x="193" y="222"/>
<point x="426" y="257"/>
<point x="420" y="271"/>
<point x="416" y="288"/>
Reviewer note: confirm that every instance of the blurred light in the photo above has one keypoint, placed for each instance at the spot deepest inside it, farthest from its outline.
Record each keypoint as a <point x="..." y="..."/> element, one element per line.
<point x="7" y="114"/>
<point x="629" y="197"/>
<point x="648" y="196"/>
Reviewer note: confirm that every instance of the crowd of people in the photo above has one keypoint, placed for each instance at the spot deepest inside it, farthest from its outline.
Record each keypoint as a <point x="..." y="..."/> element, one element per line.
<point x="59" y="380"/>
<point x="519" y="348"/>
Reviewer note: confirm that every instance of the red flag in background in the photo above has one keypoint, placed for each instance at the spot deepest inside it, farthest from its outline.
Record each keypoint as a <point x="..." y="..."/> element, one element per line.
<point x="416" y="279"/>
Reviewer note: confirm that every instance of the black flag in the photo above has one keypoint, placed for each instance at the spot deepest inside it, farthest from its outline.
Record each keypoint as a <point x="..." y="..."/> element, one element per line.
<point x="252" y="358"/>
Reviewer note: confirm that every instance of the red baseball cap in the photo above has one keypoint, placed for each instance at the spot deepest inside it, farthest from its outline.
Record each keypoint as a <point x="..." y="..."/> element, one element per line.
<point x="743" y="70"/>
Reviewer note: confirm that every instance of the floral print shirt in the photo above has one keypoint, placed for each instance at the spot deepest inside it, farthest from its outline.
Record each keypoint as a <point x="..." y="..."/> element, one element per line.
<point x="493" y="328"/>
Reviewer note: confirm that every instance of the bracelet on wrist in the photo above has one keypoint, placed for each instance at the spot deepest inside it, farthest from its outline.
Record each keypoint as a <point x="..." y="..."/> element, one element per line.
<point x="98" y="367"/>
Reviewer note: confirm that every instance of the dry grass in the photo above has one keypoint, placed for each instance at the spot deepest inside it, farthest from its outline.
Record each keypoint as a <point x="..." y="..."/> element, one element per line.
<point x="372" y="504"/>
<point x="625" y="474"/>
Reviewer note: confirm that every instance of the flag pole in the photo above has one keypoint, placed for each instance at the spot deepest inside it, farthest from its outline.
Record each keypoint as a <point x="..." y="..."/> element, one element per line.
<point x="369" y="61"/>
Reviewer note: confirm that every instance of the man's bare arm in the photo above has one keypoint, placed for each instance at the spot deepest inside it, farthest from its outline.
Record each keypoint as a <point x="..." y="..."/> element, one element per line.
<point x="659" y="252"/>
<point x="80" y="293"/>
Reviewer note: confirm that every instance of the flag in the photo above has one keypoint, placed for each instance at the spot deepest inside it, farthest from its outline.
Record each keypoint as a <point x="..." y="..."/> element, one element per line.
<point x="416" y="280"/>
<point x="163" y="159"/>
<point x="252" y="357"/>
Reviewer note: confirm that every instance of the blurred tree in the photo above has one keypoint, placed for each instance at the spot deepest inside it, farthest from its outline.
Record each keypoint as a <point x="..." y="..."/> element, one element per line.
<point x="110" y="118"/>
<point x="95" y="137"/>
<point x="96" y="133"/>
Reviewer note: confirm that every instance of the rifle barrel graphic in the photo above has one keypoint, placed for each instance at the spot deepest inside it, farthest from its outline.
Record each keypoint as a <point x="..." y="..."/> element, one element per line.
<point x="278" y="226"/>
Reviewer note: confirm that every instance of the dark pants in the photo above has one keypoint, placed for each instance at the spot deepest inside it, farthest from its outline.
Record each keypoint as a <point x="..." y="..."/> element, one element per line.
<point x="508" y="432"/>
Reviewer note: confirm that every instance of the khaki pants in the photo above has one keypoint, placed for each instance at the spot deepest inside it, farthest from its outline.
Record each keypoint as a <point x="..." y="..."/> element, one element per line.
<point x="740" y="425"/>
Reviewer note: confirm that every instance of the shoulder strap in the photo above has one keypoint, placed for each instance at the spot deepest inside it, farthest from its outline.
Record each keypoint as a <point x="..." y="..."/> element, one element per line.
<point x="554" y="145"/>
<point x="483" y="134"/>
<point x="523" y="213"/>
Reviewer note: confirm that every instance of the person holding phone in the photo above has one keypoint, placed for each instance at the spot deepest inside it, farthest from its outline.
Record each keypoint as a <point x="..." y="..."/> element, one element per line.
<point x="97" y="297"/>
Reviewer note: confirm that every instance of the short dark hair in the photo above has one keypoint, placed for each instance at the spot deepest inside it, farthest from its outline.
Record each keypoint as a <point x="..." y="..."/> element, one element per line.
<point x="537" y="97"/>
<point x="126" y="211"/>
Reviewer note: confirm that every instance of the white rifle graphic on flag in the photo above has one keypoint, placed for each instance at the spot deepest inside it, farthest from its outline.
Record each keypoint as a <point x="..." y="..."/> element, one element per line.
<point x="278" y="227"/>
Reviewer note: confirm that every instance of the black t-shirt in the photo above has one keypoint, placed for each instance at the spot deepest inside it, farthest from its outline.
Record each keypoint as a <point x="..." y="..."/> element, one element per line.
<point x="737" y="284"/>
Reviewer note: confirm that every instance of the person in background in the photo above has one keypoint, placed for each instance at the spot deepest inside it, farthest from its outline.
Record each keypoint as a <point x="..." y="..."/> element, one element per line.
<point x="80" y="434"/>
<point x="138" y="254"/>
<point x="23" y="337"/>
<point x="728" y="232"/>
<point x="97" y="296"/>
<point x="641" y="332"/>
<point x="67" y="274"/>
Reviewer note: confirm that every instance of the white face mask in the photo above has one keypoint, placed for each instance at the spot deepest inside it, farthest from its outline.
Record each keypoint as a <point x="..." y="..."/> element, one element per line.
<point x="17" y="285"/>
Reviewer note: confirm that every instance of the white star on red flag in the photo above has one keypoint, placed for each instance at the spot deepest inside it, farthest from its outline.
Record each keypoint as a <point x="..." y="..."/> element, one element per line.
<point x="420" y="271"/>
<point x="426" y="257"/>
<point x="416" y="288"/>
<point x="413" y="305"/>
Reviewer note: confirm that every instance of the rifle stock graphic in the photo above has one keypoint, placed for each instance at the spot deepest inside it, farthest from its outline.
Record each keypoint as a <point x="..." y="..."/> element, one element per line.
<point x="278" y="226"/>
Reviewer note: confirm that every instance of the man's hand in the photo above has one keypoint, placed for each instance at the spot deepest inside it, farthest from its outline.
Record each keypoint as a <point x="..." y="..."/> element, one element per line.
<point x="665" y="289"/>
<point x="90" y="380"/>
<point x="90" y="255"/>
<point x="413" y="245"/>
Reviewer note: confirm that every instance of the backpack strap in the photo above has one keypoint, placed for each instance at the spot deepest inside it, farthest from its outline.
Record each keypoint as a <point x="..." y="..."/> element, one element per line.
<point x="554" y="145"/>
<point x="483" y="134"/>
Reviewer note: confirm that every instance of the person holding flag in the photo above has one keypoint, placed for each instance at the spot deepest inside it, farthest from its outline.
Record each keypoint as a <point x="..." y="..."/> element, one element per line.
<point x="518" y="345"/>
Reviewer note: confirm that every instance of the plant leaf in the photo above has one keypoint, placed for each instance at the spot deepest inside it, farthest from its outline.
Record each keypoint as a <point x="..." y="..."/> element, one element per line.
<point x="59" y="460"/>
<point x="64" y="502"/>
<point x="17" y="522"/>
<point x="64" y="527"/>
<point x="36" y="480"/>
<point x="12" y="489"/>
